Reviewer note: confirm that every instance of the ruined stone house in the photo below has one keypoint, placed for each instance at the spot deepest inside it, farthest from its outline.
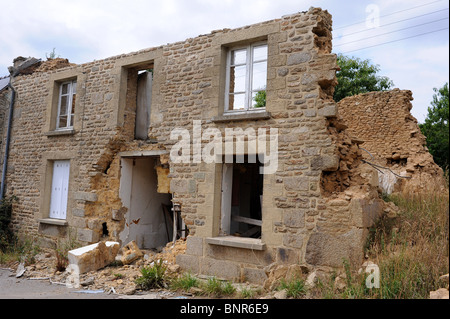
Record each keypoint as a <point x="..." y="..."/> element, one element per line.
<point x="90" y="152"/>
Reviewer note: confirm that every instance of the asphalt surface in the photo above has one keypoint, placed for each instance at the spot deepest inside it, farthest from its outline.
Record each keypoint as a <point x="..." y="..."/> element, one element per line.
<point x="23" y="288"/>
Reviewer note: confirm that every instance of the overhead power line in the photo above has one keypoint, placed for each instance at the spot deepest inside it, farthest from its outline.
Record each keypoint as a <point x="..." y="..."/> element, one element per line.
<point x="379" y="44"/>
<point x="395" y="22"/>
<point x="390" y="14"/>
<point x="386" y="33"/>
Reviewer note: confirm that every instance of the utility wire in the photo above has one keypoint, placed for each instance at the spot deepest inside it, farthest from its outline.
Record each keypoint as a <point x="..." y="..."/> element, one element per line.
<point x="386" y="15"/>
<point x="378" y="35"/>
<point x="414" y="36"/>
<point x="391" y="23"/>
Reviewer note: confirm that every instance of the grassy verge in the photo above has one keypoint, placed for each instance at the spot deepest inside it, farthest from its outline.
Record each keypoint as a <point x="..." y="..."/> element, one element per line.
<point x="411" y="251"/>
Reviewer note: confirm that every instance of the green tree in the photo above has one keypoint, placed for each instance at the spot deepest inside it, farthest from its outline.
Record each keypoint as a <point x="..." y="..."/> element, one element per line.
<point x="436" y="127"/>
<point x="260" y="99"/>
<point x="358" y="76"/>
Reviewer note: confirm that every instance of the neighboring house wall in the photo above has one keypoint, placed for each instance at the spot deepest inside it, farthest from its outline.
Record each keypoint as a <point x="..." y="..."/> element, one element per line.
<point x="316" y="208"/>
<point x="5" y="96"/>
<point x="393" y="137"/>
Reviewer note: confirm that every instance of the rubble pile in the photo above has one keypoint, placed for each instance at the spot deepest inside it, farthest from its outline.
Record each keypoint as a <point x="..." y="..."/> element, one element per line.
<point x="115" y="278"/>
<point x="54" y="64"/>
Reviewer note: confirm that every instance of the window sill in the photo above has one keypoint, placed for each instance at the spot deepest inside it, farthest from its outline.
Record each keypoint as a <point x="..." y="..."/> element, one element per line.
<point x="60" y="132"/>
<point x="53" y="221"/>
<point x="241" y="116"/>
<point x="237" y="242"/>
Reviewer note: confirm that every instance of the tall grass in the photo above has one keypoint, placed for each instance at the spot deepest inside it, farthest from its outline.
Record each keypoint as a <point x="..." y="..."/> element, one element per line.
<point x="412" y="249"/>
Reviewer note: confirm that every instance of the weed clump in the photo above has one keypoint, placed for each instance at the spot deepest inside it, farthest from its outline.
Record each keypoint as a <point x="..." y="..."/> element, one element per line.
<point x="152" y="277"/>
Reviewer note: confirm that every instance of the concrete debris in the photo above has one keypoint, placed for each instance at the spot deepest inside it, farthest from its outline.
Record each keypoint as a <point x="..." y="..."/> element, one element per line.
<point x="24" y="66"/>
<point x="20" y="270"/>
<point x="441" y="293"/>
<point x="282" y="294"/>
<point x="93" y="257"/>
<point x="114" y="278"/>
<point x="130" y="253"/>
<point x="54" y="64"/>
<point x="100" y="291"/>
<point x="311" y="280"/>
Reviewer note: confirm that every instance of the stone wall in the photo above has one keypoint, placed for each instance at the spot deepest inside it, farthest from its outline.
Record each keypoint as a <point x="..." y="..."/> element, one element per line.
<point x="316" y="207"/>
<point x="5" y="96"/>
<point x="392" y="136"/>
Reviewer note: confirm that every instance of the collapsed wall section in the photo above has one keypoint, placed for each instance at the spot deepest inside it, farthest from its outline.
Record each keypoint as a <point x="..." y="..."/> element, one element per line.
<point x="392" y="139"/>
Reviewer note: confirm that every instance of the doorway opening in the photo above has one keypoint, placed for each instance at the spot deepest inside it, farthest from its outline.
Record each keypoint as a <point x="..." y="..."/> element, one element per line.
<point x="146" y="220"/>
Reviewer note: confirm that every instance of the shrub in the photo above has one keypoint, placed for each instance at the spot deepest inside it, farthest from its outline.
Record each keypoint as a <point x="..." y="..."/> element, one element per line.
<point x="217" y="288"/>
<point x="295" y="288"/>
<point x="152" y="277"/>
<point x="62" y="251"/>
<point x="185" y="282"/>
<point x="7" y="237"/>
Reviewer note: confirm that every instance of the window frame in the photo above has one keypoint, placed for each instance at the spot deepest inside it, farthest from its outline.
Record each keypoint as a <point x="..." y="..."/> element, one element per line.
<point x="70" y="114"/>
<point x="249" y="90"/>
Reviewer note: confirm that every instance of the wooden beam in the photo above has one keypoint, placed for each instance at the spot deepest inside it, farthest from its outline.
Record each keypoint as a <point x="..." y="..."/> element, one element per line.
<point x="246" y="220"/>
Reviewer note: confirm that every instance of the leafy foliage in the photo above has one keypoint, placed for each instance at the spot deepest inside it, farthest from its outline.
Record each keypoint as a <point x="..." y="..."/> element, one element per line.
<point x="436" y="127"/>
<point x="358" y="76"/>
<point x="6" y="234"/>
<point x="260" y="99"/>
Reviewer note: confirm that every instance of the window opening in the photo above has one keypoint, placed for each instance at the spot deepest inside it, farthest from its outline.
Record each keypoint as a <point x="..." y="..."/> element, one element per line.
<point x="66" y="104"/>
<point x="242" y="189"/>
<point x="246" y="78"/>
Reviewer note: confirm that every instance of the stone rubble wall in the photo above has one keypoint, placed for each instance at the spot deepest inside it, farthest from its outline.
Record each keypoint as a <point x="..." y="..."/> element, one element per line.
<point x="393" y="137"/>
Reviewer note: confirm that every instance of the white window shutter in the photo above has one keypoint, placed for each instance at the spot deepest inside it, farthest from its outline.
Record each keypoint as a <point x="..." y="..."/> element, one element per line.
<point x="60" y="188"/>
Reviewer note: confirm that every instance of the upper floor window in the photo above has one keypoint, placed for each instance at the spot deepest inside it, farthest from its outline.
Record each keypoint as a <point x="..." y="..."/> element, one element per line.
<point x="246" y="78"/>
<point x="66" y="104"/>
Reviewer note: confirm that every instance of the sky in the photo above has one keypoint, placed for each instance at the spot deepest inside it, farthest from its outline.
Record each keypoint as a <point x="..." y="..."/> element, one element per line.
<point x="408" y="39"/>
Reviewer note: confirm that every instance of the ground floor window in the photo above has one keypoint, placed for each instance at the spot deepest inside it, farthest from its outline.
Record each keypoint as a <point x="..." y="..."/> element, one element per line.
<point x="60" y="189"/>
<point x="242" y="189"/>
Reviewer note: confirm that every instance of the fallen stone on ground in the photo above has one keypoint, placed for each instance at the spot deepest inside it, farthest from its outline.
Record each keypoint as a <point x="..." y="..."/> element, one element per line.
<point x="113" y="278"/>
<point x="441" y="293"/>
<point x="93" y="257"/>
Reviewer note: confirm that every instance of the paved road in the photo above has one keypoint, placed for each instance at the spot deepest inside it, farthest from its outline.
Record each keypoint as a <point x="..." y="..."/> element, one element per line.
<point x="23" y="288"/>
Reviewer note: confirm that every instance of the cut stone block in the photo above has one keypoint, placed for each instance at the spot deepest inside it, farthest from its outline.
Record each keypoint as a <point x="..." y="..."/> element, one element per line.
<point x="93" y="257"/>
<point x="131" y="252"/>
